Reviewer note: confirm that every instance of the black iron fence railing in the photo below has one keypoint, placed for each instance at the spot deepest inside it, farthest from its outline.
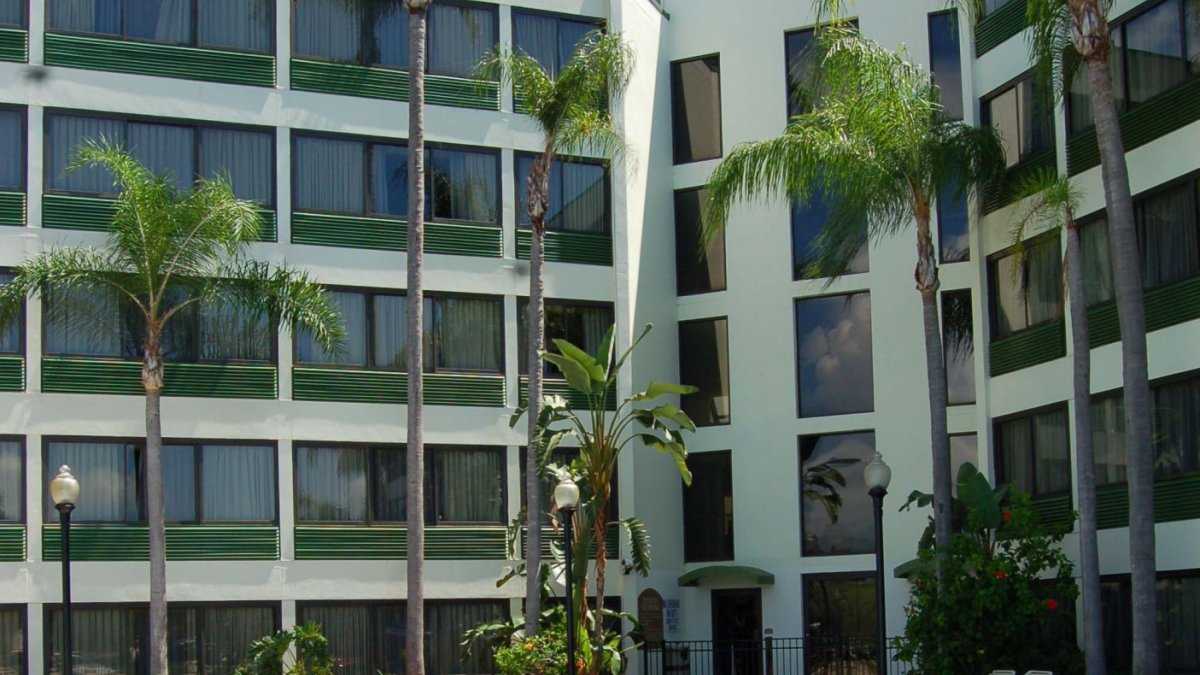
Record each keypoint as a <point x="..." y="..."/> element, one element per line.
<point x="770" y="656"/>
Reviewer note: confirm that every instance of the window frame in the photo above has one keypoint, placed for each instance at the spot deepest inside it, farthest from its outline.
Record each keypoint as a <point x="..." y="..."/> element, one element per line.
<point x="196" y="126"/>
<point x="368" y="143"/>
<point x="681" y="292"/>
<point x="194" y="18"/>
<point x="1116" y="26"/>
<point x="23" y="25"/>
<point x="369" y="294"/>
<point x="22" y="448"/>
<point x="599" y="23"/>
<point x="371" y="450"/>
<point x="929" y="19"/>
<point x="712" y="457"/>
<point x="23" y="611"/>
<point x="23" y="111"/>
<point x="799" y="390"/>
<point x="518" y="155"/>
<point x="1124" y="581"/>
<point x="21" y="319"/>
<point x="985" y="115"/>
<point x="1166" y="380"/>
<point x="565" y="303"/>
<point x="800" y="438"/>
<point x="970" y="299"/>
<point x="993" y="282"/>
<point x="197" y="477"/>
<point x="1032" y="451"/>
<point x="729" y="365"/>
<point x="674" y="68"/>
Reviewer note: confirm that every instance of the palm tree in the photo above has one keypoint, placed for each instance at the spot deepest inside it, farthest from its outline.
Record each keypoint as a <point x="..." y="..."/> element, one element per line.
<point x="880" y="150"/>
<point x="1053" y="200"/>
<point x="1079" y="30"/>
<point x="572" y="113"/>
<point x="168" y="253"/>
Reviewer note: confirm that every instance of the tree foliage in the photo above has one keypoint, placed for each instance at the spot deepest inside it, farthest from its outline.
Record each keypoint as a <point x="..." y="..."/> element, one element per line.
<point x="301" y="650"/>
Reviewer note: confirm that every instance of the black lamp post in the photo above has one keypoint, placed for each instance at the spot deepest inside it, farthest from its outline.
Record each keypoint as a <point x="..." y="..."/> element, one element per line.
<point x="566" y="498"/>
<point x="877" y="475"/>
<point x="64" y="490"/>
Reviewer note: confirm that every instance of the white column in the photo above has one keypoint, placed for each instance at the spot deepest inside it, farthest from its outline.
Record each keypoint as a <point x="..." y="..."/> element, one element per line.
<point x="287" y="501"/>
<point x="283" y="44"/>
<point x="506" y="41"/>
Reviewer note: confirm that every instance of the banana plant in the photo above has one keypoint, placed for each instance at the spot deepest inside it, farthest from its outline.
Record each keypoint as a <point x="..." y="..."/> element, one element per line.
<point x="602" y="434"/>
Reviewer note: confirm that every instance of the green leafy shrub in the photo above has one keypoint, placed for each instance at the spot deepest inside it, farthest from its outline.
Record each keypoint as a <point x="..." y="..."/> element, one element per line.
<point x="1007" y="596"/>
<point x="269" y="654"/>
<point x="544" y="654"/>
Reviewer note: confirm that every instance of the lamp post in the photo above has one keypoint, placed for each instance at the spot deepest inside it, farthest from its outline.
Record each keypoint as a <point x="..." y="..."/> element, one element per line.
<point x="64" y="490"/>
<point x="566" y="498"/>
<point x="877" y="475"/>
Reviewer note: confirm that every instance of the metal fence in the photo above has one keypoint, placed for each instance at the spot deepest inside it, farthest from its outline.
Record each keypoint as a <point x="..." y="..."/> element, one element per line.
<point x="769" y="656"/>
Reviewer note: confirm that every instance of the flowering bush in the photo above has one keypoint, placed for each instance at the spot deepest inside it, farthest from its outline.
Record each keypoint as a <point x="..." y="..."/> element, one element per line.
<point x="544" y="654"/>
<point x="1006" y="600"/>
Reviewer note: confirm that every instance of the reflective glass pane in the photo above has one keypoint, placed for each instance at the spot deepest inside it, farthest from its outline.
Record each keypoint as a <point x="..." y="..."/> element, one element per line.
<point x="833" y="353"/>
<point x="704" y="364"/>
<point x="837" y="511"/>
<point x="696" y="109"/>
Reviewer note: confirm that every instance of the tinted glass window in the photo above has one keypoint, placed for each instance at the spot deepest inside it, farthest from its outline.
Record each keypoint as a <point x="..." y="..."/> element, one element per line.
<point x="833" y="355"/>
<point x="696" y="270"/>
<point x="583" y="325"/>
<point x="551" y="40"/>
<point x="224" y="24"/>
<point x="813" y="256"/>
<point x="578" y="199"/>
<point x="10" y="333"/>
<point x="1022" y="115"/>
<point x="946" y="61"/>
<point x="12" y="485"/>
<point x="704" y="363"/>
<point x="12" y="149"/>
<point x="696" y="109"/>
<point x="837" y="512"/>
<point x="708" y="508"/>
<point x="954" y="226"/>
<point x="1033" y="453"/>
<point x="1025" y="295"/>
<point x="958" y="341"/>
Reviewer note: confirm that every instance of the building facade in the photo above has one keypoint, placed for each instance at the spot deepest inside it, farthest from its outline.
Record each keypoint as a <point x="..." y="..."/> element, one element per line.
<point x="284" y="477"/>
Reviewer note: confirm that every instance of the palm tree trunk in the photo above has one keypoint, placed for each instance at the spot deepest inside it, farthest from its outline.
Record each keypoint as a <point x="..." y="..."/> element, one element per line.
<point x="1131" y="312"/>
<point x="935" y="370"/>
<point x="415" y="542"/>
<point x="538" y="198"/>
<point x="1085" y="456"/>
<point x="152" y="381"/>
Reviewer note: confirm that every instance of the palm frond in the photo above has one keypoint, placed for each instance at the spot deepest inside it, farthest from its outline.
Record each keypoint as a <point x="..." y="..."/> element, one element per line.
<point x="1050" y="200"/>
<point x="532" y="85"/>
<point x="69" y="268"/>
<point x="1051" y="44"/>
<point x="639" y="545"/>
<point x="592" y="133"/>
<point x="286" y="295"/>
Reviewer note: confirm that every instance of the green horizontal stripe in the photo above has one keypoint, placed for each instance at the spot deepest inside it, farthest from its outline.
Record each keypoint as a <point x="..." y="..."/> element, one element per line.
<point x="1153" y="119"/>
<point x="349" y="79"/>
<point x="205" y="380"/>
<point x="570" y="247"/>
<point x="999" y="26"/>
<point x="191" y="63"/>
<point x="377" y="386"/>
<point x="184" y="542"/>
<point x="555" y="387"/>
<point x="1175" y="499"/>
<point x="12" y="208"/>
<point x="1005" y="192"/>
<point x="12" y="543"/>
<point x="387" y="542"/>
<point x="1028" y="348"/>
<point x="1165" y="306"/>
<point x="386" y="234"/>
<point x="1054" y="511"/>
<point x="14" y="45"/>
<point x="96" y="214"/>
<point x="12" y="373"/>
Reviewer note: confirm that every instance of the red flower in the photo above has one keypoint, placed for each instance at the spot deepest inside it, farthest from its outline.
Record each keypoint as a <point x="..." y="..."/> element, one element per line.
<point x="1008" y="516"/>
<point x="1051" y="604"/>
<point x="1001" y="575"/>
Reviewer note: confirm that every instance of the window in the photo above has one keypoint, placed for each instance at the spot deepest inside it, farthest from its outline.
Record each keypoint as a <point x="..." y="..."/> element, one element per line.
<point x="708" y="508"/>
<point x="945" y="61"/>
<point x="958" y="341"/>
<point x="840" y="616"/>
<point x="457" y="35"/>
<point x="1178" y="596"/>
<point x="837" y="515"/>
<point x="1168" y="228"/>
<point x="12" y="144"/>
<point x="1153" y="52"/>
<point x="563" y="457"/>
<point x="550" y="39"/>
<point x="368" y="638"/>
<point x="96" y="322"/>
<point x="581" y="324"/>
<point x="178" y="150"/>
<point x="12" y="632"/>
<point x="704" y="363"/>
<point x="200" y="638"/>
<point x="809" y="245"/>
<point x="833" y="355"/>
<point x="369" y="178"/>
<point x="202" y="482"/>
<point x="1024" y="296"/>
<point x="578" y="196"/>
<point x="696" y="270"/>
<point x="954" y="226"/>
<point x="1175" y="430"/>
<point x="462" y="333"/>
<point x="696" y="109"/>
<point x="11" y="333"/>
<point x="990" y="6"/>
<point x="12" y="13"/>
<point x="365" y="485"/>
<point x="963" y="448"/>
<point x="801" y="62"/>
<point x="1033" y="452"/>
<point x="1023" y="116"/>
<point x="12" y="484"/>
<point x="243" y="25"/>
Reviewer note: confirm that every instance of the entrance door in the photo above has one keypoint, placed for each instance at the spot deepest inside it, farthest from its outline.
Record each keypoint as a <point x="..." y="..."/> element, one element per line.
<point x="737" y="632"/>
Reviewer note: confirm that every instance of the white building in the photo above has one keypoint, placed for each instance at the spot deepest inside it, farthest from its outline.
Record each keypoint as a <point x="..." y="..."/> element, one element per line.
<point x="281" y="482"/>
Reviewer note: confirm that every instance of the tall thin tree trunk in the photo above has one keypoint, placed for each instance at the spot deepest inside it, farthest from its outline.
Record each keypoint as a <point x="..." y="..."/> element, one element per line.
<point x="537" y="196"/>
<point x="1085" y="456"/>
<point x="152" y="381"/>
<point x="415" y="543"/>
<point x="926" y="276"/>
<point x="600" y="529"/>
<point x="1131" y="312"/>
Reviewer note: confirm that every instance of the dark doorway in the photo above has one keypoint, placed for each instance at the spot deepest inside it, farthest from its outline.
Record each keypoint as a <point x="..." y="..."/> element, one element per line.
<point x="737" y="632"/>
